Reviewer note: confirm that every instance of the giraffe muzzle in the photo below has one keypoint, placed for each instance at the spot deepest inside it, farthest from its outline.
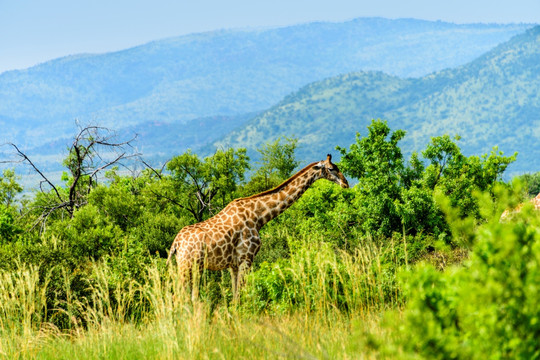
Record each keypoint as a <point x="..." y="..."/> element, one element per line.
<point x="343" y="182"/>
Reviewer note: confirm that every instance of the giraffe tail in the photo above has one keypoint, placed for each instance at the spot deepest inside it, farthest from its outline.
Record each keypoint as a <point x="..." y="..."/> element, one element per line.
<point x="173" y="250"/>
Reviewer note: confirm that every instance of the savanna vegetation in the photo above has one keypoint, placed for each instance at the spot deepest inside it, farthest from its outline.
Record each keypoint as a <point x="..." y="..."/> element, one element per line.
<point x="410" y="262"/>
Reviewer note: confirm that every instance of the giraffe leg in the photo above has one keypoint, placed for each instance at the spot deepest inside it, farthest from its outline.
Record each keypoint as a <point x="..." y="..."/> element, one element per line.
<point x="189" y="273"/>
<point x="188" y="280"/>
<point x="246" y="252"/>
<point x="243" y="269"/>
<point x="234" y="277"/>
<point x="183" y="270"/>
<point x="196" y="273"/>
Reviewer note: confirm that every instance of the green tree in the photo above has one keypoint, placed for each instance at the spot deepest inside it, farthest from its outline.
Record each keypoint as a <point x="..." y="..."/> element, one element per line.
<point x="226" y="170"/>
<point x="9" y="188"/>
<point x="203" y="187"/>
<point x="459" y="176"/>
<point x="376" y="161"/>
<point x="394" y="197"/>
<point x="531" y="183"/>
<point x="279" y="157"/>
<point x="444" y="157"/>
<point x="8" y="227"/>
<point x="277" y="164"/>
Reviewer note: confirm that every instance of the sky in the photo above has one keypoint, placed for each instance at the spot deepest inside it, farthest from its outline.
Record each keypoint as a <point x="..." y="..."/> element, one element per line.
<point x="34" y="31"/>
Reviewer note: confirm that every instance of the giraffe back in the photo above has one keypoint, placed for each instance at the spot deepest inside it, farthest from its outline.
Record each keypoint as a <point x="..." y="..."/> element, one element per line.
<point x="216" y="243"/>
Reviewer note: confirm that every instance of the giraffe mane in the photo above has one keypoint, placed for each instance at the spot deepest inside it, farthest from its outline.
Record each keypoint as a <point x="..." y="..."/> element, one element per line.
<point x="283" y="184"/>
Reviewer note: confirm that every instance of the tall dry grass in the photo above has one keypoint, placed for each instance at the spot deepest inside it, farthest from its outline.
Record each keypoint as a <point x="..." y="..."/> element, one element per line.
<point x="337" y="298"/>
<point x="318" y="279"/>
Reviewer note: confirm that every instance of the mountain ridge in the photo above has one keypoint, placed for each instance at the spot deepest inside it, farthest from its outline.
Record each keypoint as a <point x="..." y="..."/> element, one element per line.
<point x="221" y="73"/>
<point x="491" y="101"/>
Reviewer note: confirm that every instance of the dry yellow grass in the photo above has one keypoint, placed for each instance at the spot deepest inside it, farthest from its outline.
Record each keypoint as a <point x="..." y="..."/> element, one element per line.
<point x="170" y="325"/>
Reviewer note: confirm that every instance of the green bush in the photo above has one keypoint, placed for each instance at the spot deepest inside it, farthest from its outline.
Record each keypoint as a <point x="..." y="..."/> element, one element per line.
<point x="325" y="213"/>
<point x="9" y="230"/>
<point x="488" y="308"/>
<point x="88" y="234"/>
<point x="316" y="278"/>
<point x="532" y="183"/>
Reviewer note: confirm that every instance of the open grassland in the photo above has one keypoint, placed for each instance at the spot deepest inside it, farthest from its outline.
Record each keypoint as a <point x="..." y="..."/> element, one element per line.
<point x="198" y="335"/>
<point x="158" y="319"/>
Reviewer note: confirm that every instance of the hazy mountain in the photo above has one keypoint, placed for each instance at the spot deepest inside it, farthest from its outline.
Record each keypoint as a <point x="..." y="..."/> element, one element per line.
<point x="223" y="73"/>
<point x="493" y="100"/>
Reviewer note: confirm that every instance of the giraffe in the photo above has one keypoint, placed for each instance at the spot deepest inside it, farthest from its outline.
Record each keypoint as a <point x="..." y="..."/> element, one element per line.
<point x="507" y="214"/>
<point x="230" y="239"/>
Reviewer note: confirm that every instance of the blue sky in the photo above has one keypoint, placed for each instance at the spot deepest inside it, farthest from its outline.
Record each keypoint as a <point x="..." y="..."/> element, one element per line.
<point x="34" y="31"/>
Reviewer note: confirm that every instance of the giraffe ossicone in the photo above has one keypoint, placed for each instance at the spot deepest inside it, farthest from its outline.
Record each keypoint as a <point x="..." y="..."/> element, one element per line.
<point x="230" y="239"/>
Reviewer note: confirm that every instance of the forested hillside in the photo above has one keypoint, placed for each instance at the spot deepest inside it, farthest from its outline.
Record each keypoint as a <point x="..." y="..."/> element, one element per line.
<point x="223" y="73"/>
<point x="491" y="101"/>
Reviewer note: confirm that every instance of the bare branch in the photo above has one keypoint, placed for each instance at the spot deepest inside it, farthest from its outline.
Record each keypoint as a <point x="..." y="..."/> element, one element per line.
<point x="196" y="214"/>
<point x="27" y="159"/>
<point x="85" y="161"/>
<point x="168" y="199"/>
<point x="120" y="157"/>
<point x="45" y="215"/>
<point x="158" y="173"/>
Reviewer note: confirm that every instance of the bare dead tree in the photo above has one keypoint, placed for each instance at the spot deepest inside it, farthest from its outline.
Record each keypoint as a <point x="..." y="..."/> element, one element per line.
<point x="93" y="150"/>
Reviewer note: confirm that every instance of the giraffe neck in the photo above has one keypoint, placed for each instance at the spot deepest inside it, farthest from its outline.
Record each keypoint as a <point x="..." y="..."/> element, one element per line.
<point x="271" y="203"/>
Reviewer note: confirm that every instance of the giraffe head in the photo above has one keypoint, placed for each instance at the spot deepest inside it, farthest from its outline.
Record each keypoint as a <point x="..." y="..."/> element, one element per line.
<point x="331" y="172"/>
